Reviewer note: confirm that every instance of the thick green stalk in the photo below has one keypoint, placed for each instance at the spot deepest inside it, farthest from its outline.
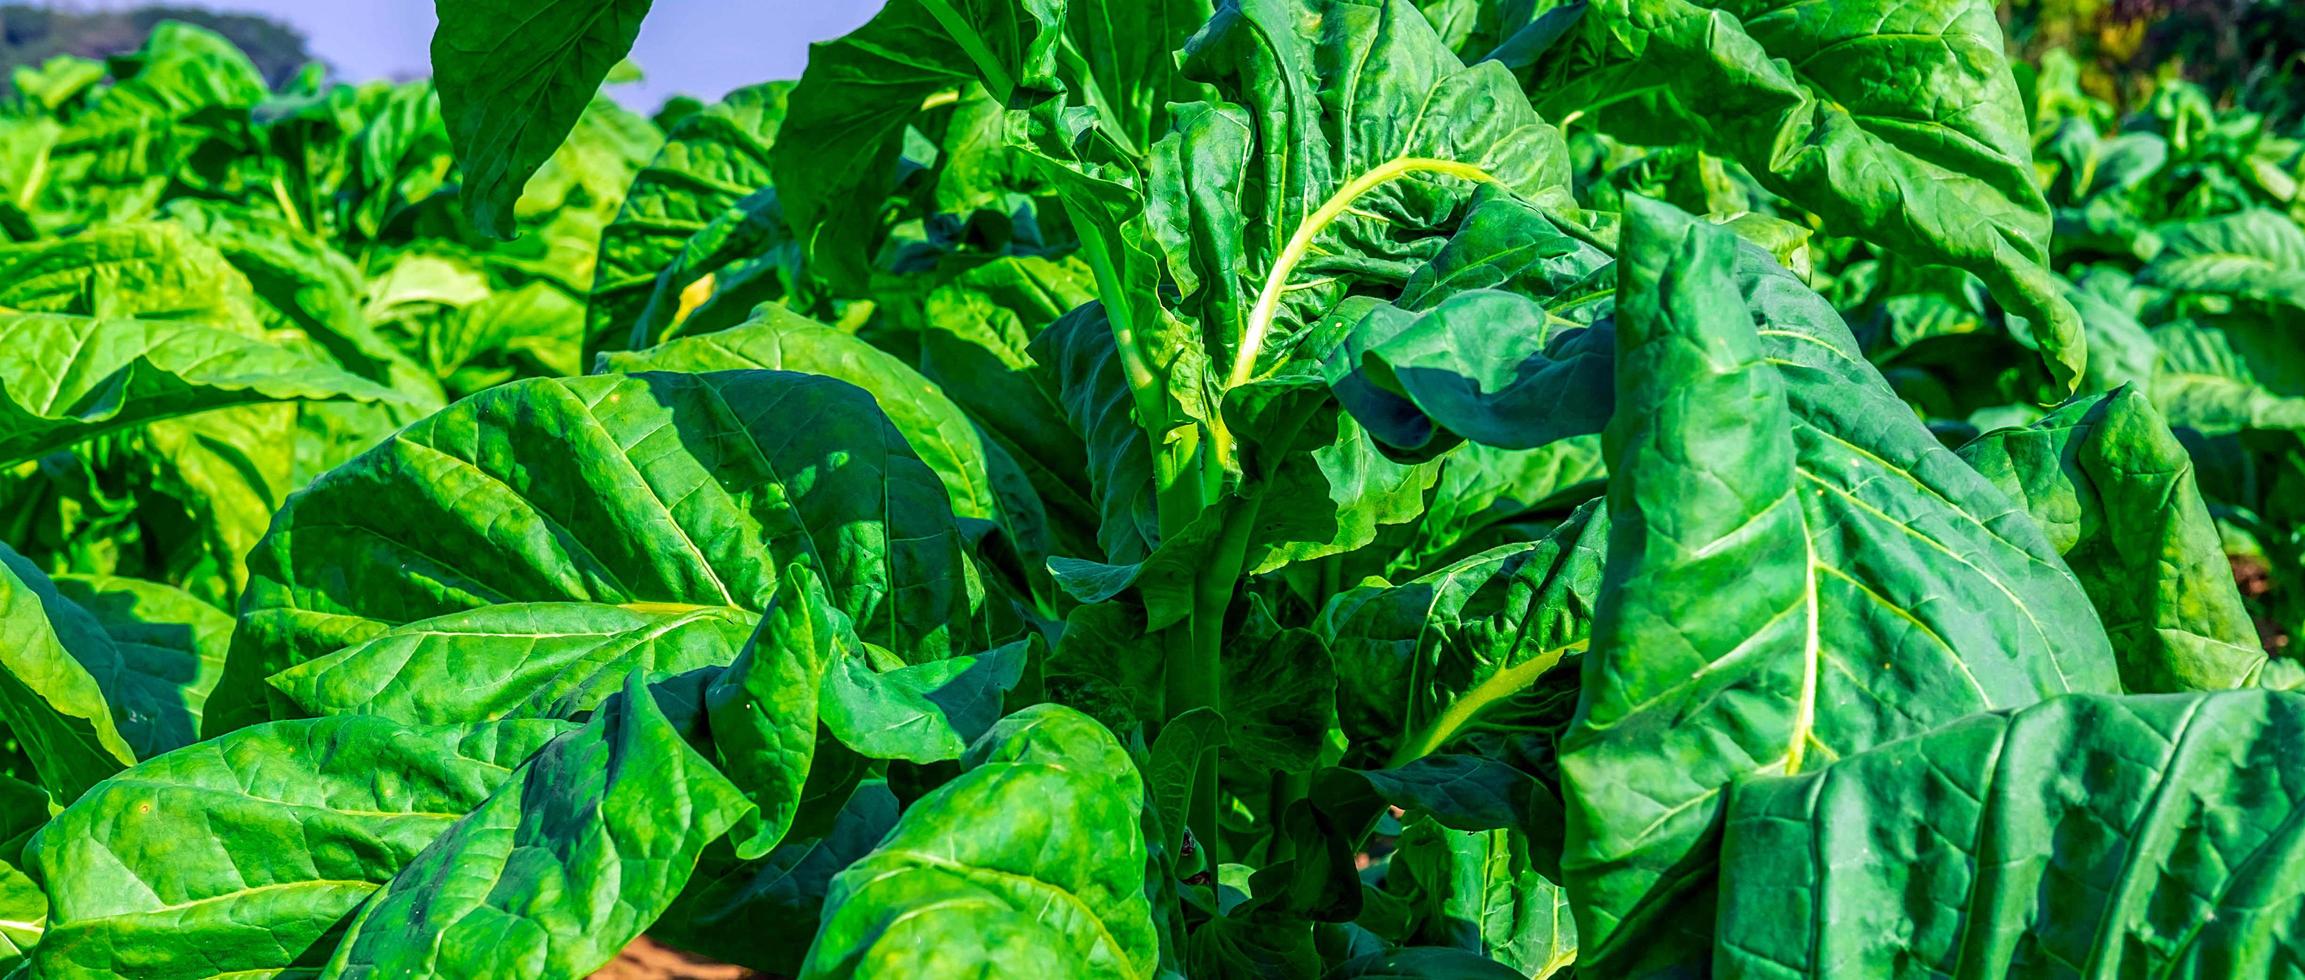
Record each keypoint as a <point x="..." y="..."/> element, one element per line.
<point x="1201" y="681"/>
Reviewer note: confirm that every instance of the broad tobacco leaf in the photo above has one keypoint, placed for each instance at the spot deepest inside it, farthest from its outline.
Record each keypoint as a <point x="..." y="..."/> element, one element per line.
<point x="66" y="379"/>
<point x="1899" y="122"/>
<point x="1079" y="367"/>
<point x="2223" y="381"/>
<point x="572" y="657"/>
<point x="245" y="853"/>
<point x="1797" y="572"/>
<point x="657" y="493"/>
<point x="187" y="86"/>
<point x="562" y="866"/>
<point x="981" y="479"/>
<point x="1030" y="863"/>
<point x="763" y="709"/>
<point x="155" y="271"/>
<point x="1481" y="488"/>
<point x="974" y="337"/>
<point x="2142" y="835"/>
<point x="2115" y="491"/>
<point x="1484" y="890"/>
<point x="514" y="77"/>
<point x="1500" y="339"/>
<point x="2256" y="255"/>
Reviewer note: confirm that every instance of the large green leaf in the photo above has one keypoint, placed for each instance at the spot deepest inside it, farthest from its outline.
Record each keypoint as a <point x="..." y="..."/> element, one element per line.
<point x="23" y="904"/>
<point x="2220" y="382"/>
<point x="1128" y="49"/>
<point x="568" y="658"/>
<point x="1081" y="368"/>
<point x="2085" y="836"/>
<point x="1306" y="451"/>
<point x="170" y="646"/>
<point x="1498" y="339"/>
<point x="513" y="79"/>
<point x="1480" y="488"/>
<point x="764" y="708"/>
<point x="834" y="159"/>
<point x="562" y="867"/>
<point x="66" y="379"/>
<point x="1898" y="122"/>
<point x="2115" y="491"/>
<point x="982" y="481"/>
<point x="1030" y="863"/>
<point x="974" y="340"/>
<point x="242" y="855"/>
<point x="711" y="161"/>
<point x="187" y="89"/>
<point x="1797" y="571"/>
<point x="660" y="492"/>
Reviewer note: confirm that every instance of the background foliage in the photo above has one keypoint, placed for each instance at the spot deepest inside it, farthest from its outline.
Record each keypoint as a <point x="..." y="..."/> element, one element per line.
<point x="1273" y="488"/>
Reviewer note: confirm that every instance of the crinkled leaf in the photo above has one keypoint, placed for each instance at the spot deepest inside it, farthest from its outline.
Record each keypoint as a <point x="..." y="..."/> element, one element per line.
<point x="2115" y="491"/>
<point x="2148" y="835"/>
<point x="1473" y="644"/>
<point x="1797" y="571"/>
<point x="922" y="713"/>
<point x="247" y="853"/>
<point x="566" y="863"/>
<point x="711" y="160"/>
<point x="65" y="379"/>
<point x="1897" y="122"/>
<point x="834" y="159"/>
<point x="615" y="490"/>
<point x="514" y="660"/>
<point x="1052" y="884"/>
<point x="513" y="80"/>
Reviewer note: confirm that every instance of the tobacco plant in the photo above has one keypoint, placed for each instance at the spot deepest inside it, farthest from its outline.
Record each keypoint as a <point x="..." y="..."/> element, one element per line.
<point x="1272" y="488"/>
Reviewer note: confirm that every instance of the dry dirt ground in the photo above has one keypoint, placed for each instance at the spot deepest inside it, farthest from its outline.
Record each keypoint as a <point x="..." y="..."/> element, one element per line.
<point x="650" y="960"/>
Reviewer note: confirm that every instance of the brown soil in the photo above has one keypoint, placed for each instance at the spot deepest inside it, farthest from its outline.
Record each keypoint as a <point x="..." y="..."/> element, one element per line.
<point x="647" y="959"/>
<point x="2255" y="579"/>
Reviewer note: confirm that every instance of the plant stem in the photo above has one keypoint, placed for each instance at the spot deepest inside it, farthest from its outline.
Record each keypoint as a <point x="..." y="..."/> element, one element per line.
<point x="1202" y="680"/>
<point x="965" y="37"/>
<point x="287" y="205"/>
<point x="1276" y="281"/>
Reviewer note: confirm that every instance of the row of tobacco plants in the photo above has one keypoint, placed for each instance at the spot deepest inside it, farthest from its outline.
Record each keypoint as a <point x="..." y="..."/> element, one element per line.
<point x="1279" y="488"/>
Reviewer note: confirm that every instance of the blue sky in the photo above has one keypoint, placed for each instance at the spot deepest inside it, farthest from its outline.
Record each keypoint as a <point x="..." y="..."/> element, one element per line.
<point x="700" y="47"/>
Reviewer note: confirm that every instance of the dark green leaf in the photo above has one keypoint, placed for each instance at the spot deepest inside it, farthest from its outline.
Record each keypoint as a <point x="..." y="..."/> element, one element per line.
<point x="2117" y="835"/>
<point x="247" y="853"/>
<point x="513" y="79"/>
<point x="1798" y="571"/>
<point x="648" y="490"/>
<point x="1030" y="863"/>
<point x="565" y="864"/>
<point x="2115" y="491"/>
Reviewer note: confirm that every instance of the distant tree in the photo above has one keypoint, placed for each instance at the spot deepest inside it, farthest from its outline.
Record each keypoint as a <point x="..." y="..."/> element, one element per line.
<point x="33" y="33"/>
